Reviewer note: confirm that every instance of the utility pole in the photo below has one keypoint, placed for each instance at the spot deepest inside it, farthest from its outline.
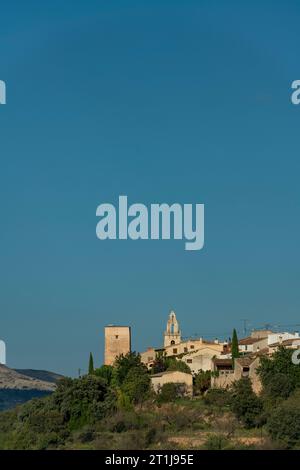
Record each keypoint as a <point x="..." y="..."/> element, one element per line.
<point x="245" y="328"/>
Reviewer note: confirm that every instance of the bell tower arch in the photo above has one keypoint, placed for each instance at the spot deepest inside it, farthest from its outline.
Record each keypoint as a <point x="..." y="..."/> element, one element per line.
<point x="172" y="334"/>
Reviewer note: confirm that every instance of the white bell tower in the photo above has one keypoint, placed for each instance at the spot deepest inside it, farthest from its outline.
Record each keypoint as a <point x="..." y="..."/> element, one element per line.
<point x="172" y="334"/>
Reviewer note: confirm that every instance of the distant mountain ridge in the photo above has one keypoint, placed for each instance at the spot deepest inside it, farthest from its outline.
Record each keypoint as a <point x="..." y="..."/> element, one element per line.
<point x="20" y="385"/>
<point x="43" y="375"/>
<point x="11" y="379"/>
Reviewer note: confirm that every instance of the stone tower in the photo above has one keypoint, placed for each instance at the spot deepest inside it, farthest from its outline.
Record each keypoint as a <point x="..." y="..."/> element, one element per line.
<point x="117" y="341"/>
<point x="172" y="334"/>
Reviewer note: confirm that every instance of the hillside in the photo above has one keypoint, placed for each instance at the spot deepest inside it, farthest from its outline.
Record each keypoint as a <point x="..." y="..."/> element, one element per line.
<point x="11" y="379"/>
<point x="43" y="375"/>
<point x="17" y="388"/>
<point x="115" y="407"/>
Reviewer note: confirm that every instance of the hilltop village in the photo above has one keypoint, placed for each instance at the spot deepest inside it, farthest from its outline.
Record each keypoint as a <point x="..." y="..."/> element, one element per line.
<point x="187" y="394"/>
<point x="199" y="355"/>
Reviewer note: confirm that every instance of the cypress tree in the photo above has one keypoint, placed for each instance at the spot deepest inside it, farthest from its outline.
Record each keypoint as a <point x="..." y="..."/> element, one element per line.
<point x="91" y="364"/>
<point x="234" y="346"/>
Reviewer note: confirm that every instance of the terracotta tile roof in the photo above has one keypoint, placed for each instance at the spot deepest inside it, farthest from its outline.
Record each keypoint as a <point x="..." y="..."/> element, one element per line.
<point x="246" y="361"/>
<point x="262" y="352"/>
<point x="286" y="342"/>
<point x="249" y="340"/>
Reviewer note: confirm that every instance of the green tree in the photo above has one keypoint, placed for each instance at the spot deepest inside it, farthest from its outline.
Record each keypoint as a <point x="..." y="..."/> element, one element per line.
<point x="91" y="364"/>
<point x="106" y="372"/>
<point x="136" y="385"/>
<point x="177" y="364"/>
<point x="169" y="392"/>
<point x="247" y="406"/>
<point x="284" y="422"/>
<point x="81" y="401"/>
<point x="160" y="363"/>
<point x="234" y="346"/>
<point x="131" y="377"/>
<point x="123" y="364"/>
<point x="280" y="363"/>
<point x="278" y="388"/>
<point x="202" y="382"/>
<point x="163" y="362"/>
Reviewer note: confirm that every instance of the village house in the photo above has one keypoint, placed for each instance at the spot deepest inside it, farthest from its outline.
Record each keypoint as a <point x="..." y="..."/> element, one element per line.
<point x="256" y="341"/>
<point x="266" y="342"/>
<point x="289" y="343"/>
<point x="181" y="378"/>
<point x="224" y="374"/>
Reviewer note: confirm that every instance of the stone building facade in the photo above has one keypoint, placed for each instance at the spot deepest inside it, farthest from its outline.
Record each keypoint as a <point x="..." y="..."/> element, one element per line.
<point x="176" y="377"/>
<point x="243" y="367"/>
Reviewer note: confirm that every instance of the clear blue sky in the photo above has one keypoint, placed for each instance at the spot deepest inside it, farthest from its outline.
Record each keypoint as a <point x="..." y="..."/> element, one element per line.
<point x="164" y="101"/>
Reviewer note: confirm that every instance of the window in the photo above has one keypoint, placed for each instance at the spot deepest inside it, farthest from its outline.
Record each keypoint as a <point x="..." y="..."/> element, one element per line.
<point x="185" y="349"/>
<point x="175" y="351"/>
<point x="192" y="346"/>
<point x="117" y="336"/>
<point x="189" y="361"/>
<point x="172" y="342"/>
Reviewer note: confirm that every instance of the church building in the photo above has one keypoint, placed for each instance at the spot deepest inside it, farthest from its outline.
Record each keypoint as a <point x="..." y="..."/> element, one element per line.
<point x="197" y="353"/>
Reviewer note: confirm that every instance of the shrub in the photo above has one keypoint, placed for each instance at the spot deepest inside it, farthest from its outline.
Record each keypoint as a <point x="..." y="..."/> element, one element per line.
<point x="284" y="422"/>
<point x="105" y="372"/>
<point x="124" y="364"/>
<point x="247" y="406"/>
<point x="202" y="382"/>
<point x="122" y="421"/>
<point x="217" y="397"/>
<point x="136" y="385"/>
<point x="279" y="363"/>
<point x="176" y="364"/>
<point x="169" y="392"/>
<point x="277" y="388"/>
<point x="216" y="442"/>
<point x="82" y="401"/>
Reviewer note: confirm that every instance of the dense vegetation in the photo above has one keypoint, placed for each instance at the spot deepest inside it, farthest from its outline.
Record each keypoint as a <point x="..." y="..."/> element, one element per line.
<point x="115" y="408"/>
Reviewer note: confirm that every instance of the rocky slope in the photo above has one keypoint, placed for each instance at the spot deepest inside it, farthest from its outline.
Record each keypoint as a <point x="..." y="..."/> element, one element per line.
<point x="43" y="375"/>
<point x="17" y="387"/>
<point x="13" y="380"/>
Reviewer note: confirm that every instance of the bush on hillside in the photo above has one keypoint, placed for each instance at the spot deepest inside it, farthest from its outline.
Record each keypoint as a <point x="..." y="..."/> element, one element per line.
<point x="170" y="392"/>
<point x="202" y="382"/>
<point x="247" y="406"/>
<point x="217" y="397"/>
<point x="105" y="372"/>
<point x="279" y="363"/>
<point x="130" y="379"/>
<point x="284" y="423"/>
